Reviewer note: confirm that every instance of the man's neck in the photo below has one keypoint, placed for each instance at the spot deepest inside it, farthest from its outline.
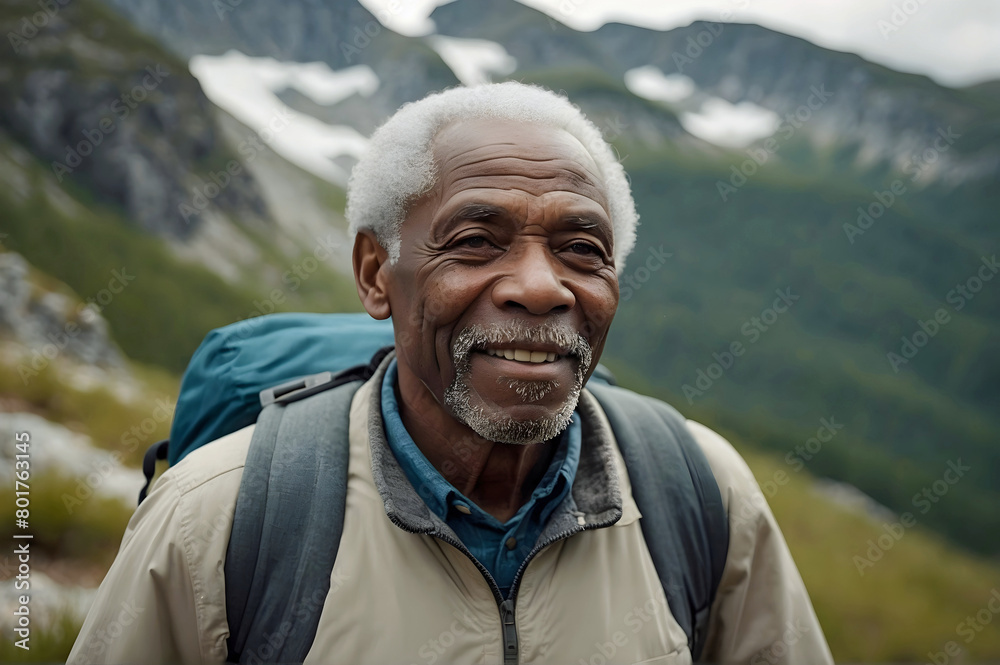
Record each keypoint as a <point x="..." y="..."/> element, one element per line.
<point x="498" y="477"/>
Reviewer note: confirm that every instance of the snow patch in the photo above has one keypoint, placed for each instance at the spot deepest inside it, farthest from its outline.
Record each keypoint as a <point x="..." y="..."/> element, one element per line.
<point x="651" y="83"/>
<point x="247" y="88"/>
<point x="730" y="125"/>
<point x="473" y="61"/>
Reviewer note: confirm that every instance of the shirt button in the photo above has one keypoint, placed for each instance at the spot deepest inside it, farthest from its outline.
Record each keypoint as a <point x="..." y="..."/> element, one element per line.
<point x="462" y="508"/>
<point x="511" y="543"/>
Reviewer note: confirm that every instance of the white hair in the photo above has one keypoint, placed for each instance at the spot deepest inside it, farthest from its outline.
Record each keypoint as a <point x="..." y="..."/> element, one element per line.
<point x="399" y="163"/>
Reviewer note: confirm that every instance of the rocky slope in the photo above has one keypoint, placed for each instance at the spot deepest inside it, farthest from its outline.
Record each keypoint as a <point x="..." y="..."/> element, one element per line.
<point x="111" y="113"/>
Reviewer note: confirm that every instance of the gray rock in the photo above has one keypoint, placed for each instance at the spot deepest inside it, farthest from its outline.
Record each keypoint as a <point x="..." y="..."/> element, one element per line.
<point x="50" y="322"/>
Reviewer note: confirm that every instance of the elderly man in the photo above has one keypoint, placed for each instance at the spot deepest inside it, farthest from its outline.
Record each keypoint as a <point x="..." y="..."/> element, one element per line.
<point x="490" y="516"/>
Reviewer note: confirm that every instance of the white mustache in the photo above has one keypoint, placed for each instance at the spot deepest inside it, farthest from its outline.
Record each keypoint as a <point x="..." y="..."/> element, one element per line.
<point x="514" y="332"/>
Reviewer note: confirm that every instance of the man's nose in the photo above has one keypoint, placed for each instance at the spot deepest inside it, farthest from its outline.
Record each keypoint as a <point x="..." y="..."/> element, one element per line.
<point x="535" y="283"/>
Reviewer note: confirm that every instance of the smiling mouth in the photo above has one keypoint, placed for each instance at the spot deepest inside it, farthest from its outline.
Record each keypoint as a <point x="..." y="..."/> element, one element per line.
<point x="522" y="355"/>
<point x="528" y="348"/>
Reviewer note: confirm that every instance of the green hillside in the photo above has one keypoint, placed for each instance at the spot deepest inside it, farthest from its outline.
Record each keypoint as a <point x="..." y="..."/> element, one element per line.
<point x="826" y="355"/>
<point x="909" y="604"/>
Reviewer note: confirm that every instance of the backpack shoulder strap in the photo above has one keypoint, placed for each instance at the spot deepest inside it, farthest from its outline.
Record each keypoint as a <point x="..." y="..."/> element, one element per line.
<point x="287" y="526"/>
<point x="683" y="520"/>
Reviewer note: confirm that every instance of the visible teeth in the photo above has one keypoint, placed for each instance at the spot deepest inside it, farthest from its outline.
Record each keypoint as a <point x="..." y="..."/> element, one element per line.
<point x="523" y="355"/>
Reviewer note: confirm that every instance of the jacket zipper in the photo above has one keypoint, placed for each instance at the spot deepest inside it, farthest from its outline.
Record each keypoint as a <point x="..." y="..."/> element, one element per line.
<point x="506" y="607"/>
<point x="508" y="625"/>
<point x="510" y="645"/>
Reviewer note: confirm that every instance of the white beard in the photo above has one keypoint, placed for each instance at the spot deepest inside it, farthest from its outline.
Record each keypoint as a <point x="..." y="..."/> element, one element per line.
<point x="500" y="427"/>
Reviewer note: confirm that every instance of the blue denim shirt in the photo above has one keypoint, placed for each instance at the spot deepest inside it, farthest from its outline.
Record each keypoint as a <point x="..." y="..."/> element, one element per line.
<point x="500" y="546"/>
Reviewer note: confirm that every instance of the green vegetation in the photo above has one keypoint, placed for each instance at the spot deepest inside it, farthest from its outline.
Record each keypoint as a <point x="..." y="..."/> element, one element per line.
<point x="909" y="603"/>
<point x="99" y="412"/>
<point x="50" y="642"/>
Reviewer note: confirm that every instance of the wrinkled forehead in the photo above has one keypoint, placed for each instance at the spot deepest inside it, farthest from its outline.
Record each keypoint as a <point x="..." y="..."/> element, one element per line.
<point x="506" y="147"/>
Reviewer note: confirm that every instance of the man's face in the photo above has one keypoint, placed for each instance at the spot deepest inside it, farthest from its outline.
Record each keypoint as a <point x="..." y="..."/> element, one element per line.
<point x="505" y="287"/>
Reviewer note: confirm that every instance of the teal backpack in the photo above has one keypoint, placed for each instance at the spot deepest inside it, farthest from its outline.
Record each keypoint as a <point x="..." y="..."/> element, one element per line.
<point x="295" y="375"/>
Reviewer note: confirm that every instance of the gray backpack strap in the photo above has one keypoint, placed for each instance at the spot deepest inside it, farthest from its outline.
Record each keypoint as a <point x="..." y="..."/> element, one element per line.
<point x="683" y="520"/>
<point x="287" y="526"/>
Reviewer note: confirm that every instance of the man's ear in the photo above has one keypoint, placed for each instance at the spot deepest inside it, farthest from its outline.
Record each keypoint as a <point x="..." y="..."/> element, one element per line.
<point x="370" y="264"/>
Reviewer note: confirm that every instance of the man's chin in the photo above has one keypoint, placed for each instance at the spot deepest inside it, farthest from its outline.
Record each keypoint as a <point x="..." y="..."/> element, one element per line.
<point x="504" y="429"/>
<point x="517" y="423"/>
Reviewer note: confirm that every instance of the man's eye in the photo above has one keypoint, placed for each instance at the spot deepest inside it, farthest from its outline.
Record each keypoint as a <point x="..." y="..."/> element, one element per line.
<point x="584" y="249"/>
<point x="472" y="242"/>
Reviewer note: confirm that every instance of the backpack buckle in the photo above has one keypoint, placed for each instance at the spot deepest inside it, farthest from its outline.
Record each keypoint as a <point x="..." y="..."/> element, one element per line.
<point x="292" y="391"/>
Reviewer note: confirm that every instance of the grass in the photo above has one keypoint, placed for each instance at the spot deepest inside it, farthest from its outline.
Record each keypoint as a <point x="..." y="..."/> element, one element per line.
<point x="69" y="520"/>
<point x="125" y="426"/>
<point x="908" y="604"/>
<point x="49" y="643"/>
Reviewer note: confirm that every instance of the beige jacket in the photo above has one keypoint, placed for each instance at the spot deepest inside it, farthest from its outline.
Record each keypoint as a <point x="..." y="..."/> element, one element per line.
<point x="396" y="597"/>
